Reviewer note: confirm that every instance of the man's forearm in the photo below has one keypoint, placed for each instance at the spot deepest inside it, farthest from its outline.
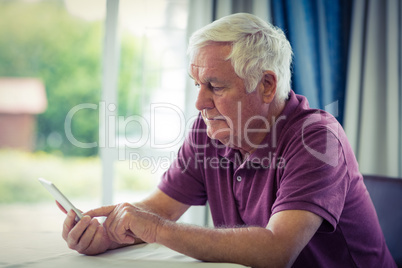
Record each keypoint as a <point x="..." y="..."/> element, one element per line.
<point x="251" y="246"/>
<point x="277" y="245"/>
<point x="164" y="206"/>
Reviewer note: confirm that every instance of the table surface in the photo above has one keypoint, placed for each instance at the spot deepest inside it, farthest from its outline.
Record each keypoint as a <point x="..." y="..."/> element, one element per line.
<point x="48" y="249"/>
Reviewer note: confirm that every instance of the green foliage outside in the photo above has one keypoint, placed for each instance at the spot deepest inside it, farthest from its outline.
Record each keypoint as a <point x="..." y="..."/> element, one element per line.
<point x="77" y="177"/>
<point x="41" y="39"/>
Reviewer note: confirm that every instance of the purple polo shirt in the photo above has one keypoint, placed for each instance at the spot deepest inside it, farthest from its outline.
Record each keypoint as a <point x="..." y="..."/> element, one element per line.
<point x="306" y="163"/>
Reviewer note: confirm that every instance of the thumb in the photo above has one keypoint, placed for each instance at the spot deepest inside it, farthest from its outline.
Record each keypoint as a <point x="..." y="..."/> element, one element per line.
<point x="129" y="239"/>
<point x="99" y="212"/>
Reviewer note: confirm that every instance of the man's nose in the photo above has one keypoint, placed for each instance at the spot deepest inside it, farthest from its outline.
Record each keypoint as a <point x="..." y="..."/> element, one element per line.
<point x="204" y="99"/>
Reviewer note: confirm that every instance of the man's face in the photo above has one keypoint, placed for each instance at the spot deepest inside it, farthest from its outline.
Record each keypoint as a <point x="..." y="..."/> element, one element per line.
<point x="229" y="112"/>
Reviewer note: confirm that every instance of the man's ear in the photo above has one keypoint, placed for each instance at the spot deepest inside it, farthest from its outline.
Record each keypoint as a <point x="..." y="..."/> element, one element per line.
<point x="269" y="82"/>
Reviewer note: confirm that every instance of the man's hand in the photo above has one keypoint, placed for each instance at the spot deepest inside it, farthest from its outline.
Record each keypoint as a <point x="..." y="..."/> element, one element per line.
<point x="126" y="223"/>
<point x="91" y="238"/>
<point x="87" y="236"/>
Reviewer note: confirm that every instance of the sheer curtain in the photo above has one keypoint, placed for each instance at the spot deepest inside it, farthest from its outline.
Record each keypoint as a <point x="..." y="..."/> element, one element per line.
<point x="373" y="114"/>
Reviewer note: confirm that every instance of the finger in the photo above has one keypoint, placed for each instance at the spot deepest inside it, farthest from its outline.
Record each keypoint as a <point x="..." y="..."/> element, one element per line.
<point x="98" y="212"/>
<point x="125" y="236"/>
<point x="111" y="228"/>
<point x="120" y="227"/>
<point x="96" y="244"/>
<point x="86" y="239"/>
<point x="61" y="207"/>
<point x="74" y="236"/>
<point x="108" y="223"/>
<point x="99" y="234"/>
<point x="68" y="224"/>
<point x="128" y="240"/>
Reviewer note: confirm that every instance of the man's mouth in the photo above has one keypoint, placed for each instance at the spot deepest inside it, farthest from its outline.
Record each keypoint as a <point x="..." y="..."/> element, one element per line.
<point x="212" y="118"/>
<point x="215" y="118"/>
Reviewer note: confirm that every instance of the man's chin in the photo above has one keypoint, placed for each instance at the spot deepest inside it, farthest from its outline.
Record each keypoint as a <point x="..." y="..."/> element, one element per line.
<point x="222" y="136"/>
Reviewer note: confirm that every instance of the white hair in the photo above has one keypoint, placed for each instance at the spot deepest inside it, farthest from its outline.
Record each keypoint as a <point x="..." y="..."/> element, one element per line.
<point x="256" y="47"/>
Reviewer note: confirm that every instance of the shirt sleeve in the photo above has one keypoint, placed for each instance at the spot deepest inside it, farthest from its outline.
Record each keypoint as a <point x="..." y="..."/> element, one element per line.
<point x="184" y="180"/>
<point x="315" y="177"/>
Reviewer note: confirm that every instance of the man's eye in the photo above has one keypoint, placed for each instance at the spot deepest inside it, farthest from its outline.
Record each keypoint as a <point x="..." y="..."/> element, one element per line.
<point x="217" y="89"/>
<point x="197" y="86"/>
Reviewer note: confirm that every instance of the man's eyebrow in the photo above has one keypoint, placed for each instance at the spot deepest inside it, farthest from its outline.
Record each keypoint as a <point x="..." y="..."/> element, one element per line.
<point x="207" y="80"/>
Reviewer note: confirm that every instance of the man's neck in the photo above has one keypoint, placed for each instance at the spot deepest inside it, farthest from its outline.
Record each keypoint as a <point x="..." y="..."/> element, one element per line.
<point x="274" y="112"/>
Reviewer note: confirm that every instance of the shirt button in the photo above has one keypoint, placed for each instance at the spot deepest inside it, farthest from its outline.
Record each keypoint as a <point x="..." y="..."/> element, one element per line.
<point x="238" y="178"/>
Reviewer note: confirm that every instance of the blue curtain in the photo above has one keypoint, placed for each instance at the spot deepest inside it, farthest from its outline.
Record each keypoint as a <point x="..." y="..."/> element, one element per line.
<point x="318" y="31"/>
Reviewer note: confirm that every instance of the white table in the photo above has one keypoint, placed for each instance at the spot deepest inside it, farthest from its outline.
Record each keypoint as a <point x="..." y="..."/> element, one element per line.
<point x="48" y="249"/>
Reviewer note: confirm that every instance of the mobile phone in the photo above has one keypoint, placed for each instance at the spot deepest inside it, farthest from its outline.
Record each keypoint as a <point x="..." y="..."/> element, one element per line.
<point x="63" y="201"/>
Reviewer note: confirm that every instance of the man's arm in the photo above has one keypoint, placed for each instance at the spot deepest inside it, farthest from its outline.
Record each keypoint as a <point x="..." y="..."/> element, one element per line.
<point x="277" y="245"/>
<point x="163" y="205"/>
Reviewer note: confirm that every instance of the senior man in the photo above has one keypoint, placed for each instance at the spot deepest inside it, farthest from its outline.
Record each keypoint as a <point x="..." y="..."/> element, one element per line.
<point x="281" y="178"/>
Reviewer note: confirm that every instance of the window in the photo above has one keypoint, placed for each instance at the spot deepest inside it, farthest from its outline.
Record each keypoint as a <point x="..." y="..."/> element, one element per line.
<point x="151" y="92"/>
<point x="60" y="44"/>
